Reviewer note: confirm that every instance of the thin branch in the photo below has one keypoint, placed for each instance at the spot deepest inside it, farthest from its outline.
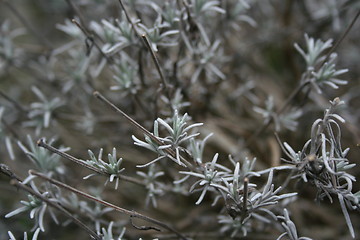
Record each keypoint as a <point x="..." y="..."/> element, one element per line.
<point x="16" y="181"/>
<point x="90" y="38"/>
<point x="141" y="128"/>
<point x="56" y="206"/>
<point x="129" y="19"/>
<point x="245" y="198"/>
<point x="148" y="46"/>
<point x="343" y="35"/>
<point x="42" y="143"/>
<point x="156" y="62"/>
<point x="76" y="11"/>
<point x="127" y="117"/>
<point x="143" y="228"/>
<point x="7" y="171"/>
<point x="131" y="213"/>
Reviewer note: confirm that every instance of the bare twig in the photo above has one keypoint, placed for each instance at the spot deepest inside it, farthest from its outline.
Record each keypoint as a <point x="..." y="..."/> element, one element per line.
<point x="156" y="62"/>
<point x="131" y="213"/>
<point x="127" y="117"/>
<point x="144" y="228"/>
<point x="91" y="38"/>
<point x="343" y="35"/>
<point x="7" y="171"/>
<point x="16" y="181"/>
<point x="56" y="206"/>
<point x="42" y="143"/>
<point x="147" y="44"/>
<point x="141" y="128"/>
<point x="129" y="19"/>
<point x="76" y="11"/>
<point x="245" y="198"/>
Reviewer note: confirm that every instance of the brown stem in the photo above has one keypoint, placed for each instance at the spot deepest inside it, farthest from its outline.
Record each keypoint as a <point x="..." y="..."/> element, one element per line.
<point x="7" y="171"/>
<point x="343" y="35"/>
<point x="245" y="198"/>
<point x="128" y="18"/>
<point x="141" y="128"/>
<point x="76" y="11"/>
<point x="156" y="62"/>
<point x="131" y="213"/>
<point x="16" y="181"/>
<point x="89" y="37"/>
<point x="56" y="206"/>
<point x="148" y="46"/>
<point x="42" y="143"/>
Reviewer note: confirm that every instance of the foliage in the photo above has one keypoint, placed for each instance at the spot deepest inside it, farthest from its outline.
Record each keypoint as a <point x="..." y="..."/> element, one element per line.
<point x="214" y="82"/>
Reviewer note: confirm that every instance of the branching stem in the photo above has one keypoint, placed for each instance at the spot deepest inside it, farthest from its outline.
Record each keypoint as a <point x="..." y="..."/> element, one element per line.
<point x="303" y="84"/>
<point x="130" y="213"/>
<point x="343" y="35"/>
<point x="56" y="206"/>
<point x="16" y="181"/>
<point x="91" y="38"/>
<point x="148" y="46"/>
<point x="42" y="143"/>
<point x="141" y="128"/>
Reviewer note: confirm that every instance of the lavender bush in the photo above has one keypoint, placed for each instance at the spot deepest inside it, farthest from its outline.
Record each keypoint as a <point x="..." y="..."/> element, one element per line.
<point x="179" y="119"/>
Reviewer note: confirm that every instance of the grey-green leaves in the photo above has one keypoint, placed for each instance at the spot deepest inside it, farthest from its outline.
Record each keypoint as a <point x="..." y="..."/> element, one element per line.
<point x="112" y="168"/>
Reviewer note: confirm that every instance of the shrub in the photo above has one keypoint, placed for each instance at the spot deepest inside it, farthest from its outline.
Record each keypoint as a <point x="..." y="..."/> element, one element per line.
<point x="223" y="101"/>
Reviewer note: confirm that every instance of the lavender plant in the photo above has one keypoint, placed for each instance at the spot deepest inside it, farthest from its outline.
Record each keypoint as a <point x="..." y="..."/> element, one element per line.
<point x="36" y="207"/>
<point x="9" y="52"/>
<point x="5" y="137"/>
<point x="42" y="159"/>
<point x="34" y="237"/>
<point x="323" y="162"/>
<point x="193" y="71"/>
<point x="41" y="112"/>
<point x="112" y="168"/>
<point x="326" y="74"/>
<point x="290" y="228"/>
